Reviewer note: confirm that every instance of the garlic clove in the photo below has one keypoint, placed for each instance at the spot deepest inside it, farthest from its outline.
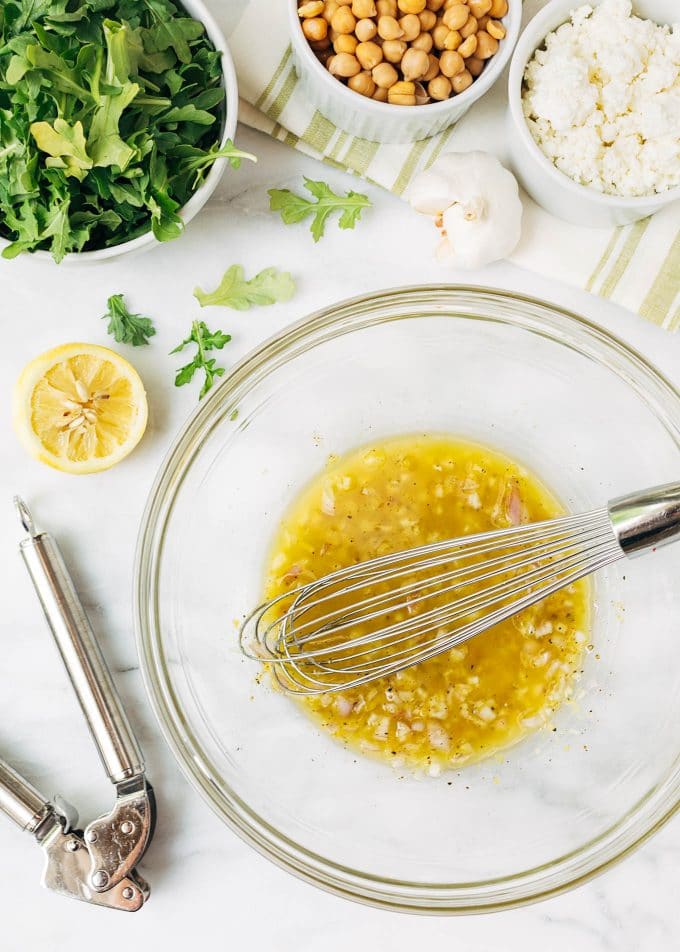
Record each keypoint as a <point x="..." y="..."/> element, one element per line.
<point x="431" y="193"/>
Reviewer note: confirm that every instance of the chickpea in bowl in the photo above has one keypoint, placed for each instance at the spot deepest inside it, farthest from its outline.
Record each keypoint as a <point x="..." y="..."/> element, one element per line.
<point x="358" y="58"/>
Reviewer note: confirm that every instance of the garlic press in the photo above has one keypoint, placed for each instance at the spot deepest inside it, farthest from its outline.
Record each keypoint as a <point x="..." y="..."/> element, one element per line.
<point x="97" y="864"/>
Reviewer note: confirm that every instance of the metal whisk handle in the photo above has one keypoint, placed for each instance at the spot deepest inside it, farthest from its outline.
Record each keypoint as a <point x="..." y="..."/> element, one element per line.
<point x="646" y="520"/>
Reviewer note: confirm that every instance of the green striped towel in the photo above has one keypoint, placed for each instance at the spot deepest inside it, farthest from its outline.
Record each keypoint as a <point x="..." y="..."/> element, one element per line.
<point x="637" y="266"/>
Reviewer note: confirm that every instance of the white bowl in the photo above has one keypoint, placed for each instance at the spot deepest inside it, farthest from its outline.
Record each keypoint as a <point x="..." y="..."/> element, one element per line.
<point x="546" y="184"/>
<point x="382" y="122"/>
<point x="198" y="10"/>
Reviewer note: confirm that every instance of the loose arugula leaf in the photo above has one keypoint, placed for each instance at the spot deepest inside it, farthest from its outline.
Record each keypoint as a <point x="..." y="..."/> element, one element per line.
<point x="110" y="113"/>
<point x="124" y="327"/>
<point x="267" y="287"/>
<point x="295" y="208"/>
<point x="205" y="340"/>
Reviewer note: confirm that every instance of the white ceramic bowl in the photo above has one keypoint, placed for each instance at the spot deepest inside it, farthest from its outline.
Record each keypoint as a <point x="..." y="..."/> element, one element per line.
<point x="198" y="10"/>
<point x="546" y="184"/>
<point x="379" y="121"/>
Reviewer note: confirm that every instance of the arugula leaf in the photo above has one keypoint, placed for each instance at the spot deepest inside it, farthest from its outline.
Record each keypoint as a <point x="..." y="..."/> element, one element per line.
<point x="65" y="145"/>
<point x="57" y="228"/>
<point x="124" y="327"/>
<point x="205" y="340"/>
<point x="165" y="221"/>
<point x="295" y="208"/>
<point x="267" y="287"/>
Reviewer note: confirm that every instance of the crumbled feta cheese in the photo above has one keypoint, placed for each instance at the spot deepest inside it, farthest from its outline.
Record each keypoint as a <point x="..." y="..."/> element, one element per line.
<point x="602" y="100"/>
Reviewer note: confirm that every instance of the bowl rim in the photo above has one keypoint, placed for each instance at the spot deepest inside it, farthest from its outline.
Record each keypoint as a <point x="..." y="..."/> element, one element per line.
<point x="644" y="817"/>
<point x="512" y="20"/>
<point x="198" y="10"/>
<point x="530" y="40"/>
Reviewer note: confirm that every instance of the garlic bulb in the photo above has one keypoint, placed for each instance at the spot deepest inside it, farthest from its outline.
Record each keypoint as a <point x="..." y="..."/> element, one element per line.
<point x="475" y="204"/>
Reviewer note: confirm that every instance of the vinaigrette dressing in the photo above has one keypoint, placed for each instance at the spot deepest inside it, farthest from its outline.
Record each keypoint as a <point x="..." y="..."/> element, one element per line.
<point x="482" y="696"/>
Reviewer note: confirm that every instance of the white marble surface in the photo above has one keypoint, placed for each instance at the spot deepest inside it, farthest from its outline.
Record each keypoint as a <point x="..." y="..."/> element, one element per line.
<point x="207" y="885"/>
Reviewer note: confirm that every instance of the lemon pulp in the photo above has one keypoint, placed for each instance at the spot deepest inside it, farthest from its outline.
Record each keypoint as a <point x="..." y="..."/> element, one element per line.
<point x="479" y="697"/>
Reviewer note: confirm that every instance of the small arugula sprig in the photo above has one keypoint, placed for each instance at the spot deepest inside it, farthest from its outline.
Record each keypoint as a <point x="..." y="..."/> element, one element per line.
<point x="205" y="340"/>
<point x="124" y="327"/>
<point x="267" y="287"/>
<point x="294" y="208"/>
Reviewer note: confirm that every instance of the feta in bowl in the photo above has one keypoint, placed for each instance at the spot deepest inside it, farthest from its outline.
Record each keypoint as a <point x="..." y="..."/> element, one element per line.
<point x="594" y="110"/>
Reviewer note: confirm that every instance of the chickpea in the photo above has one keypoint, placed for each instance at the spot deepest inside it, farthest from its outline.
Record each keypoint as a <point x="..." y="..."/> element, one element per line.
<point x="343" y="20"/>
<point x="439" y="88"/>
<point x="439" y="35"/>
<point x="344" y="3"/>
<point x="474" y="65"/>
<point x="344" y="65"/>
<point x="498" y="9"/>
<point x="453" y="40"/>
<point x="389" y="29"/>
<point x="369" y="54"/>
<point x="451" y="63"/>
<point x="411" y="6"/>
<point x="495" y="29"/>
<point x="387" y="8"/>
<point x="422" y="42"/>
<point x="380" y="94"/>
<point x="435" y="5"/>
<point x="320" y="46"/>
<point x="486" y="47"/>
<point x="345" y="43"/>
<point x="461" y="82"/>
<point x="402" y="94"/>
<point x="478" y="8"/>
<point x="469" y="28"/>
<point x="365" y="30"/>
<point x="393" y="50"/>
<point x="363" y="8"/>
<point x="384" y="75"/>
<point x="456" y="16"/>
<point x="433" y="68"/>
<point x="415" y="64"/>
<point x="427" y="19"/>
<point x="329" y="9"/>
<point x="362" y="83"/>
<point x="469" y="47"/>
<point x="315" y="28"/>
<point x="311" y="9"/>
<point x="410" y="24"/>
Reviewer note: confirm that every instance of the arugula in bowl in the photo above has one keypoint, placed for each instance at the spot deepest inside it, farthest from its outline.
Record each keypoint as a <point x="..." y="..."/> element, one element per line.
<point x="111" y="115"/>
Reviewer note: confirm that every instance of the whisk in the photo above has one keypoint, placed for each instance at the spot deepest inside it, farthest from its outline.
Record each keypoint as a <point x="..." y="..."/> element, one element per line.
<point x="378" y="617"/>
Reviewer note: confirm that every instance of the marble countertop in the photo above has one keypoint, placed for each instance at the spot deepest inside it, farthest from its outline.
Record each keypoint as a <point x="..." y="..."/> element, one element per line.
<point x="208" y="886"/>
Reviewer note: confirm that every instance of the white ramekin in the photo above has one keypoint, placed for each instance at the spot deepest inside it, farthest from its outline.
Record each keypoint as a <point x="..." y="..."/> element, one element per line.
<point x="198" y="10"/>
<point x="379" y="121"/>
<point x="546" y="184"/>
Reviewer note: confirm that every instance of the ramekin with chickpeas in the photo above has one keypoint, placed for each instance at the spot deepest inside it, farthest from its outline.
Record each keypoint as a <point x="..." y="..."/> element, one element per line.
<point x="359" y="58"/>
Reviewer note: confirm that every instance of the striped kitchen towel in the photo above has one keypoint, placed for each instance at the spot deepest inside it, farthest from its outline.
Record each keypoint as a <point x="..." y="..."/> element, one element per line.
<point x="637" y="266"/>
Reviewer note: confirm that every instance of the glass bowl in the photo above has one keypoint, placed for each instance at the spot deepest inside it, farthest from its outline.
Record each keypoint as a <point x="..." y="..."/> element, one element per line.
<point x="593" y="420"/>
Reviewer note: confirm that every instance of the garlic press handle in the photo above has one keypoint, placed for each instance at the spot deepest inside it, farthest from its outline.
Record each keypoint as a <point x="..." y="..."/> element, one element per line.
<point x="87" y="669"/>
<point x="20" y="801"/>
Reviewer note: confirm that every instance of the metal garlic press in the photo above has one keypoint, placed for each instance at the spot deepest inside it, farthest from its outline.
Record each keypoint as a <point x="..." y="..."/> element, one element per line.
<point x="96" y="864"/>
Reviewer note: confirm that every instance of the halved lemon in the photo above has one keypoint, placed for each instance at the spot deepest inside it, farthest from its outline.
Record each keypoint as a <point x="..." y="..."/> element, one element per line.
<point x="80" y="408"/>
